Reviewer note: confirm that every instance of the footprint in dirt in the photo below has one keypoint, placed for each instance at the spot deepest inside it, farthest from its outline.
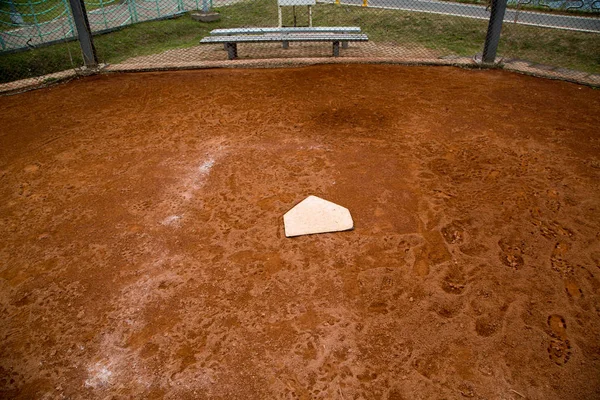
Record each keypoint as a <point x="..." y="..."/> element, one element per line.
<point x="141" y="206"/>
<point x="454" y="282"/>
<point x="489" y="304"/>
<point x="488" y="324"/>
<point x="432" y="253"/>
<point x="447" y="307"/>
<point x="552" y="202"/>
<point x="548" y="228"/>
<point x="573" y="290"/>
<point x="559" y="348"/>
<point x="492" y="175"/>
<point x="511" y="253"/>
<point x="557" y="259"/>
<point x="454" y="233"/>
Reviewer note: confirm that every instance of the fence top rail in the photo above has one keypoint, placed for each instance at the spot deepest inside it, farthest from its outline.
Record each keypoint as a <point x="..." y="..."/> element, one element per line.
<point x="314" y="29"/>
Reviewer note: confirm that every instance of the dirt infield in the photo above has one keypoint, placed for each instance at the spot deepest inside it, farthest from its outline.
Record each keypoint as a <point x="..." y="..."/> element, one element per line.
<point x="143" y="254"/>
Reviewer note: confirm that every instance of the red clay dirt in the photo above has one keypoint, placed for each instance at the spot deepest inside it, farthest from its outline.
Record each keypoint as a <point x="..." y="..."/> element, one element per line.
<point x="143" y="254"/>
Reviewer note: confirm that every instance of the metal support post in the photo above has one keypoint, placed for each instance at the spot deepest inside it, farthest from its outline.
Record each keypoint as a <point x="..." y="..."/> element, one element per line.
<point x="336" y="49"/>
<point x="231" y="50"/>
<point x="494" y="30"/>
<point x="294" y="12"/>
<point x="84" y="33"/>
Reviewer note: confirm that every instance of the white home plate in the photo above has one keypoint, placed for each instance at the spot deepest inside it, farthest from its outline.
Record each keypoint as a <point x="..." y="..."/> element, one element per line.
<point x="315" y="215"/>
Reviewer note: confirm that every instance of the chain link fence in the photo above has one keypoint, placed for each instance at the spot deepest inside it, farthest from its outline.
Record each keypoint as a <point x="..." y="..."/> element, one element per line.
<point x="40" y="40"/>
<point x="560" y="38"/>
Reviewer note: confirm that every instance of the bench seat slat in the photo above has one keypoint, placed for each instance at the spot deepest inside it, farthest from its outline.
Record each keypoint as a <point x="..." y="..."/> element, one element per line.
<point x="315" y="29"/>
<point x="286" y="38"/>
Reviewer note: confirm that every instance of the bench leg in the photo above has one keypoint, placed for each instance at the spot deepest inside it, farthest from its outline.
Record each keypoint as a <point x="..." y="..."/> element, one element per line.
<point x="345" y="44"/>
<point x="336" y="49"/>
<point x="285" y="45"/>
<point x="225" y="46"/>
<point x="231" y="50"/>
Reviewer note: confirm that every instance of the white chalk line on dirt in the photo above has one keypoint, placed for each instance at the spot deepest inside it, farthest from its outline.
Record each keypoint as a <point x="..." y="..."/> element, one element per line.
<point x="191" y="184"/>
<point x="116" y="364"/>
<point x="100" y="375"/>
<point x="198" y="178"/>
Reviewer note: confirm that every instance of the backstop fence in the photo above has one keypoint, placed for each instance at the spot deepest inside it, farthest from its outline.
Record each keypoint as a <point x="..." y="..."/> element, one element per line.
<point x="44" y="40"/>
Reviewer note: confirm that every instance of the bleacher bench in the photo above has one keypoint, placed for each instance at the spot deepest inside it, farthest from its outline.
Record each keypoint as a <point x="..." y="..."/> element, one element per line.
<point x="310" y="29"/>
<point x="232" y="41"/>
<point x="335" y="34"/>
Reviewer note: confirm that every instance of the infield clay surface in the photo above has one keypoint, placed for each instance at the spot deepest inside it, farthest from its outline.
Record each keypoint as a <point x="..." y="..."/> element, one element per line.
<point x="143" y="255"/>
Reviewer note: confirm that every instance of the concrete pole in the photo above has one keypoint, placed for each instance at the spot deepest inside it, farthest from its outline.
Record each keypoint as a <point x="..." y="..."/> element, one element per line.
<point x="494" y="29"/>
<point x="84" y="33"/>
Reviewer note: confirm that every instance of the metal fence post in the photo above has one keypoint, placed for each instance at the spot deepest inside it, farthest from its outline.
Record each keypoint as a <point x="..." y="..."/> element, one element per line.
<point x="494" y="29"/>
<point x="84" y="33"/>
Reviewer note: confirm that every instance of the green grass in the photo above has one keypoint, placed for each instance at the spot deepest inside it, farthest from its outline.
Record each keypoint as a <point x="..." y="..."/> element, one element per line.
<point x="445" y="34"/>
<point x="465" y="37"/>
<point x="41" y="10"/>
<point x="450" y="35"/>
<point x="574" y="50"/>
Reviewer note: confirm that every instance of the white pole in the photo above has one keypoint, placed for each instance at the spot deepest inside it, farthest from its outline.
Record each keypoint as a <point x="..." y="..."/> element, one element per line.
<point x="280" y="21"/>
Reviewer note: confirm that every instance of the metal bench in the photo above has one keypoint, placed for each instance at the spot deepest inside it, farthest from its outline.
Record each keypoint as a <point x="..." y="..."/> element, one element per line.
<point x="285" y="31"/>
<point x="232" y="41"/>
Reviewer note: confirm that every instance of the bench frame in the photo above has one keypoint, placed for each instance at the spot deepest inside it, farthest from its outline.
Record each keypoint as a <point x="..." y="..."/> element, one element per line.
<point x="230" y="42"/>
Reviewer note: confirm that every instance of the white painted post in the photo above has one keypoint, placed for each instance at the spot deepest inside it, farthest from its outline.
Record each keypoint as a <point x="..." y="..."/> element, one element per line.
<point x="280" y="19"/>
